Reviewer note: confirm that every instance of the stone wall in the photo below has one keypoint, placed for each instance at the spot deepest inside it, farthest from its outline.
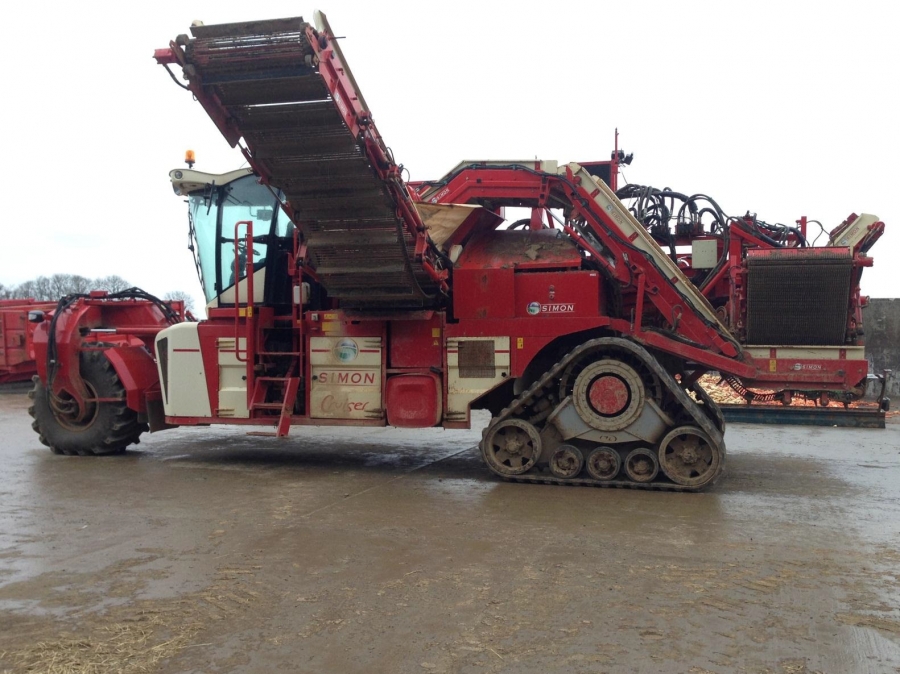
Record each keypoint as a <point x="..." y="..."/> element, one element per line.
<point x="881" y="322"/>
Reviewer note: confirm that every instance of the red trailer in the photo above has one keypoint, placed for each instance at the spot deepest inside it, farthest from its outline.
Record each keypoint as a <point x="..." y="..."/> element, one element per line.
<point x="16" y="349"/>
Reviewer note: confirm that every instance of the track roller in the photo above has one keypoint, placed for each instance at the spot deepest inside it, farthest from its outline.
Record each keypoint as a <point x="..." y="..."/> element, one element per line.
<point x="511" y="447"/>
<point x="603" y="464"/>
<point x="641" y="465"/>
<point x="688" y="457"/>
<point x="566" y="462"/>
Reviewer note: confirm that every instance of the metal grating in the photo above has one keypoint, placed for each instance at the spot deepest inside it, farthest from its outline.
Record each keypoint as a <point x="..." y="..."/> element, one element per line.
<point x="798" y="296"/>
<point x="264" y="77"/>
<point x="476" y="359"/>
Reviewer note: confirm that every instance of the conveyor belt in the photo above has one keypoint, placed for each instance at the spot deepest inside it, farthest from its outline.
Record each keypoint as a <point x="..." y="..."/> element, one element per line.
<point x="265" y="79"/>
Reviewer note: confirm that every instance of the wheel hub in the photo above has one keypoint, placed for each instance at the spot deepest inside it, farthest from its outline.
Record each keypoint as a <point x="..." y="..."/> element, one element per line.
<point x="69" y="415"/>
<point x="604" y="463"/>
<point x="608" y="395"/>
<point x="514" y="444"/>
<point x="689" y="456"/>
<point x="642" y="467"/>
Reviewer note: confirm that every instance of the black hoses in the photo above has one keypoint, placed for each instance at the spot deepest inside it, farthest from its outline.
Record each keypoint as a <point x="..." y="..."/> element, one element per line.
<point x="64" y="303"/>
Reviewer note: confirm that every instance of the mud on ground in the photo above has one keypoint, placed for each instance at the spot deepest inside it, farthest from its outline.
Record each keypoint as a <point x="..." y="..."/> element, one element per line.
<point x="351" y="550"/>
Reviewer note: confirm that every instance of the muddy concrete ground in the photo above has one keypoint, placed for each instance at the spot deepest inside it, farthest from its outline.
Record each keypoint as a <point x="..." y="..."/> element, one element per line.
<point x="342" y="550"/>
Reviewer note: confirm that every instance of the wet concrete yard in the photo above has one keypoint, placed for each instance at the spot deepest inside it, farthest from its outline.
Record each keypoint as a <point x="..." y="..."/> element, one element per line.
<point x="352" y="550"/>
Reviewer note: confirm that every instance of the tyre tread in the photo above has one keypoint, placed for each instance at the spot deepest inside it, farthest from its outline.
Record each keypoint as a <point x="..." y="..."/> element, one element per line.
<point x="122" y="427"/>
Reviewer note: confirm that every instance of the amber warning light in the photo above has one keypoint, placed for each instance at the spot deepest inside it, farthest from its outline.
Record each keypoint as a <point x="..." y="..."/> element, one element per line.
<point x="189" y="158"/>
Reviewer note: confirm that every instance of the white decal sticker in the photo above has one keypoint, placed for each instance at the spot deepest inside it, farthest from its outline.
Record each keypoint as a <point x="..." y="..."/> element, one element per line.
<point x="442" y="193"/>
<point x="340" y="103"/>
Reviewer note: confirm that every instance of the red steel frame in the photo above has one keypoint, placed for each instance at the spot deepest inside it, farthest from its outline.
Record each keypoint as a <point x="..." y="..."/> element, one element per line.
<point x="517" y="187"/>
<point x="125" y="329"/>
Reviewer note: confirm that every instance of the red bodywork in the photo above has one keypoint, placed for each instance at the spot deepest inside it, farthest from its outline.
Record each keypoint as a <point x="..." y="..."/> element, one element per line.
<point x="16" y="347"/>
<point x="494" y="282"/>
<point x="652" y="299"/>
<point x="123" y="328"/>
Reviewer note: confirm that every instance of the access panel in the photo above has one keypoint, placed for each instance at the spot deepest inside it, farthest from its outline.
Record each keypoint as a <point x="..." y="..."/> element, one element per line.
<point x="346" y="377"/>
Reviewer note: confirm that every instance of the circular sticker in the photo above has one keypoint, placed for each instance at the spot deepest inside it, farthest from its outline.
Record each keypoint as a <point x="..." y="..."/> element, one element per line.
<point x="534" y="308"/>
<point x="346" y="350"/>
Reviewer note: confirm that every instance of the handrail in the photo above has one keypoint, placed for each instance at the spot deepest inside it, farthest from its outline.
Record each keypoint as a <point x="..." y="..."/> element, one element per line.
<point x="248" y="313"/>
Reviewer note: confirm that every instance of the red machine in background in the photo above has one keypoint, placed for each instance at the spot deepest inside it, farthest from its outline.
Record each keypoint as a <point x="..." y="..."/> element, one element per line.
<point x="338" y="294"/>
<point x="16" y="349"/>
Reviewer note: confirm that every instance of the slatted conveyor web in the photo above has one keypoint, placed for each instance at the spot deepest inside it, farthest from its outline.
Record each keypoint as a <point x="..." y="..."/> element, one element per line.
<point x="265" y="76"/>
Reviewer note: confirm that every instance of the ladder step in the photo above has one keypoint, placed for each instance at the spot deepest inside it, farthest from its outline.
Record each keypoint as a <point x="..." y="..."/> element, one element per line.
<point x="263" y="434"/>
<point x="283" y="426"/>
<point x="268" y="406"/>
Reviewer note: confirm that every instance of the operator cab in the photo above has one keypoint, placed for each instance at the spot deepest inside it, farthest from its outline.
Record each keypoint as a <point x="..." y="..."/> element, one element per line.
<point x="215" y="204"/>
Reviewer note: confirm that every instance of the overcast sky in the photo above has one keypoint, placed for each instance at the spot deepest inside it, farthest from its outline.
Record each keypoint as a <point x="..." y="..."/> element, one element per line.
<point x="783" y="108"/>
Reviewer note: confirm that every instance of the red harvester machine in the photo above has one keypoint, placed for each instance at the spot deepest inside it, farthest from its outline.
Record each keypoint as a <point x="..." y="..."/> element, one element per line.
<point x="340" y="295"/>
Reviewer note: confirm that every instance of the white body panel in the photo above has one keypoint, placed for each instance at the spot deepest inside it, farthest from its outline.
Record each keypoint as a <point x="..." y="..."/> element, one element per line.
<point x="185" y="181"/>
<point x="704" y="253"/>
<point x="185" y="392"/>
<point x="232" y="379"/>
<point x="227" y="296"/>
<point x="855" y="232"/>
<point x="346" y="378"/>
<point x="807" y="352"/>
<point x="463" y="390"/>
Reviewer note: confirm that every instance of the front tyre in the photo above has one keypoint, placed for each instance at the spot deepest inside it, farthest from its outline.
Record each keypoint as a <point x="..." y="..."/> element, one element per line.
<point x="107" y="427"/>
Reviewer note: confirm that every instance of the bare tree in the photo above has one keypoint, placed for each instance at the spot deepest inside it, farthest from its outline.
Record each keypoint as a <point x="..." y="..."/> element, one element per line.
<point x="60" y="285"/>
<point x="80" y="284"/>
<point x="43" y="289"/>
<point x="39" y="289"/>
<point x="183" y="296"/>
<point x="112" y="284"/>
<point x="24" y="290"/>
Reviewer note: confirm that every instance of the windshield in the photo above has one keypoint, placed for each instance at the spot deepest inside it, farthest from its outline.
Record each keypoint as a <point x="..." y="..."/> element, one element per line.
<point x="213" y="213"/>
<point x="203" y="213"/>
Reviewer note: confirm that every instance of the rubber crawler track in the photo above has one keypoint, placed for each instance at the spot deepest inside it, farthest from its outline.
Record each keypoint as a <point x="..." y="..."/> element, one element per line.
<point x="712" y="423"/>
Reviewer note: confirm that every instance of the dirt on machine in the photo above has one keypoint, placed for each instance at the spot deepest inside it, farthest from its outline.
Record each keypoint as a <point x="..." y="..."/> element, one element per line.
<point x="340" y="294"/>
